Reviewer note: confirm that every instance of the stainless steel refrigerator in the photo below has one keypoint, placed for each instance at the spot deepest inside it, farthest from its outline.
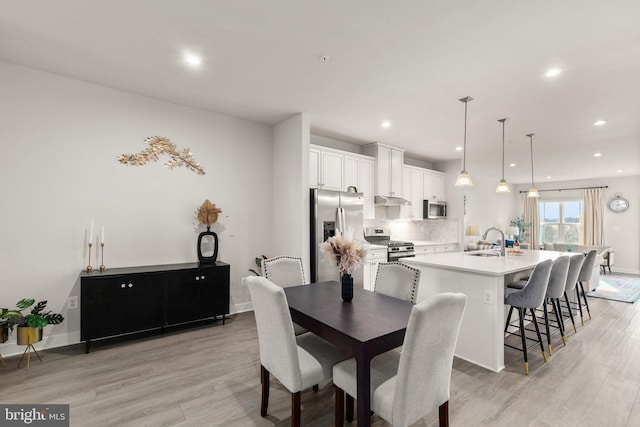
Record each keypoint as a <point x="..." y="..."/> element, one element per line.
<point x="331" y="210"/>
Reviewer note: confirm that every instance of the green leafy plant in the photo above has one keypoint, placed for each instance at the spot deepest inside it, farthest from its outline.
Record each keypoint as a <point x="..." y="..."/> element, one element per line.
<point x="36" y="318"/>
<point x="258" y="262"/>
<point x="522" y="226"/>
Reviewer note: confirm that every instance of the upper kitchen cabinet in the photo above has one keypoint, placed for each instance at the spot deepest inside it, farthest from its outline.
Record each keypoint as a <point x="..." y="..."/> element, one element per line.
<point x="338" y="170"/>
<point x="389" y="162"/>
<point x="326" y="169"/>
<point x="412" y="190"/>
<point x="433" y="186"/>
<point x="359" y="173"/>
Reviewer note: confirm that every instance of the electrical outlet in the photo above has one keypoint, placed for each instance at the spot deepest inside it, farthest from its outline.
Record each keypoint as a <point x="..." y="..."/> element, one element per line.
<point x="244" y="281"/>
<point x="488" y="297"/>
<point x="72" y="303"/>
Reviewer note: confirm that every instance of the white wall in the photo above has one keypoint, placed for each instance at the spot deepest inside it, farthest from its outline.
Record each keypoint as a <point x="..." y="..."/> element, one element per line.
<point x="60" y="142"/>
<point x="486" y="208"/>
<point x="621" y="230"/>
<point x="290" y="191"/>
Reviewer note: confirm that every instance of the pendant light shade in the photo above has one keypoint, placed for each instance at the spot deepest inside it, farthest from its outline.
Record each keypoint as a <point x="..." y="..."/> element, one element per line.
<point x="533" y="191"/>
<point x="503" y="185"/>
<point x="464" y="179"/>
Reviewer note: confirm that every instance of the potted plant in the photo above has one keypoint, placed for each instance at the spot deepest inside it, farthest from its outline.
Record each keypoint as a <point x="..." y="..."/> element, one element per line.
<point x="29" y="325"/>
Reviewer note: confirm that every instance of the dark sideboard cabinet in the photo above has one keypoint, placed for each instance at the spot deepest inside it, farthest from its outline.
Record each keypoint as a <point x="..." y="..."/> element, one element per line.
<point x="121" y="301"/>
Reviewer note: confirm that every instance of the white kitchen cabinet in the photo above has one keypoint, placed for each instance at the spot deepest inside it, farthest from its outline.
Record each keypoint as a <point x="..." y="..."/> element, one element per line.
<point x="433" y="186"/>
<point x="375" y="255"/>
<point x="331" y="170"/>
<point x="338" y="170"/>
<point x="326" y="169"/>
<point x="389" y="163"/>
<point x="412" y="182"/>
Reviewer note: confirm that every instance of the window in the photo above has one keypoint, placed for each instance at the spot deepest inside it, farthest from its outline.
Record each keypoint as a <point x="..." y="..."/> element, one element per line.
<point x="560" y="221"/>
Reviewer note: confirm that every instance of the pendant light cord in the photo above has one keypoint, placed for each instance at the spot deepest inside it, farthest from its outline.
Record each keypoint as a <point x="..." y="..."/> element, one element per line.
<point x="504" y="120"/>
<point x="464" y="154"/>
<point x="531" y="141"/>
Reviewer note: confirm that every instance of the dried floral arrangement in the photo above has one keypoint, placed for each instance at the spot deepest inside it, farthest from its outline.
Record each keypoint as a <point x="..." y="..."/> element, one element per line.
<point x="345" y="252"/>
<point x="208" y="213"/>
<point x="159" y="145"/>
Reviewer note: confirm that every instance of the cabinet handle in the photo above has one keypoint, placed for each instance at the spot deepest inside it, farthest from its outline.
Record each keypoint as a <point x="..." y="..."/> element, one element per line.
<point x="197" y="278"/>
<point x="202" y="277"/>
<point x="122" y="285"/>
<point x="131" y="285"/>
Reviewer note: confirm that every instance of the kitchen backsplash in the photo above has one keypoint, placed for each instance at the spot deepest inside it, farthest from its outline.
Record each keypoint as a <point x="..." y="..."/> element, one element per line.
<point x="442" y="230"/>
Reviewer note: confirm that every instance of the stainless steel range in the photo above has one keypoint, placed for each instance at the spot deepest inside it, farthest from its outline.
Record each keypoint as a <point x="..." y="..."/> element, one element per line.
<point x="396" y="249"/>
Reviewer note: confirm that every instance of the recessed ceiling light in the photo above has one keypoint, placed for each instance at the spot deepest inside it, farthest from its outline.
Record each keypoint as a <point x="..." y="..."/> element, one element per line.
<point x="597" y="154"/>
<point x="553" y="72"/>
<point x="513" y="165"/>
<point x="386" y="124"/>
<point x="619" y="170"/>
<point x="548" y="176"/>
<point x="600" y="122"/>
<point x="458" y="148"/>
<point x="192" y="59"/>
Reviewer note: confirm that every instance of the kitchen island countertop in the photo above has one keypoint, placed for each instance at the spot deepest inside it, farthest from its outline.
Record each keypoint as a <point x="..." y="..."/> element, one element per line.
<point x="489" y="265"/>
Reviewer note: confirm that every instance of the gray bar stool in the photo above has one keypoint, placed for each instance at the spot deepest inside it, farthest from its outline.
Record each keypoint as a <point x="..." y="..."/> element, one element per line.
<point x="584" y="276"/>
<point x="575" y="265"/>
<point x="530" y="297"/>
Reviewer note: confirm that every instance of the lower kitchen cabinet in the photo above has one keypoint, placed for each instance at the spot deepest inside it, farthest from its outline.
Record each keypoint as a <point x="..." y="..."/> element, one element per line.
<point x="375" y="255"/>
<point x="127" y="300"/>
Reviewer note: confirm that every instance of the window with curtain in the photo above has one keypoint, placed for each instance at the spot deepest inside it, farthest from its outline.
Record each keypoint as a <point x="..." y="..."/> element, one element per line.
<point x="560" y="221"/>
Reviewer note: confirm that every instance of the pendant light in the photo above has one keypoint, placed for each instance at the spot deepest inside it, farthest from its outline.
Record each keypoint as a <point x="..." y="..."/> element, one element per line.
<point x="533" y="191"/>
<point x="464" y="179"/>
<point x="503" y="185"/>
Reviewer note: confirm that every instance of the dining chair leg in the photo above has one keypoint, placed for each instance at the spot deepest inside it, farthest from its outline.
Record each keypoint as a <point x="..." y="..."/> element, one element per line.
<point x="546" y="326"/>
<point x="264" y="380"/>
<point x="444" y="414"/>
<point x="579" y="303"/>
<point x="295" y="409"/>
<point x="584" y="296"/>
<point x="349" y="407"/>
<point x="521" y="312"/>
<point x="558" y="312"/>
<point x="535" y="323"/>
<point x="339" y="407"/>
<point x="506" y="325"/>
<point x="566" y="299"/>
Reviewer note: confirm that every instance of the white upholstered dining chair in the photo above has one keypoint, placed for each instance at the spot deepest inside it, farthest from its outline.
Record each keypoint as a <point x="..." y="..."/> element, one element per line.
<point x="285" y="271"/>
<point x="407" y="386"/>
<point x="298" y="362"/>
<point x="397" y="280"/>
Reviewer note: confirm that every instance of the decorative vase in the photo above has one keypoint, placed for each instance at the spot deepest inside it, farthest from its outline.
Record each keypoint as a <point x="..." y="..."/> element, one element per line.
<point x="28" y="335"/>
<point x="347" y="287"/>
<point x="203" y="258"/>
<point x="4" y="332"/>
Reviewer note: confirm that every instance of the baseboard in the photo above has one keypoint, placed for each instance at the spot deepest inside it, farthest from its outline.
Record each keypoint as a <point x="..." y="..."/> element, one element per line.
<point x="622" y="271"/>
<point x="241" y="308"/>
<point x="49" y="341"/>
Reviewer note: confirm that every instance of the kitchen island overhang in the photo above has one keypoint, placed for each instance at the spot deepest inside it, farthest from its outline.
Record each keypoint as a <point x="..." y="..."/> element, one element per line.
<point x="482" y="279"/>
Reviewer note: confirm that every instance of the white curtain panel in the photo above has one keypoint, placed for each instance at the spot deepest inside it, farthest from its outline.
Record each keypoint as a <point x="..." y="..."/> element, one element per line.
<point x="532" y="216"/>
<point x="592" y="214"/>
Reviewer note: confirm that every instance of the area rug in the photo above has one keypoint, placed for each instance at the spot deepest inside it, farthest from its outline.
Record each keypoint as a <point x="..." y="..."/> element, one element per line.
<point x="618" y="288"/>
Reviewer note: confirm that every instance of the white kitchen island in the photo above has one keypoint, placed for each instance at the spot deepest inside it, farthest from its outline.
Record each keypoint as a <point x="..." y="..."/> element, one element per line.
<point x="482" y="280"/>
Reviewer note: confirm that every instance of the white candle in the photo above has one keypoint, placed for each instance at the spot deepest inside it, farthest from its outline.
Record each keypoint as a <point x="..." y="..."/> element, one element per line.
<point x="91" y="233"/>
<point x="102" y="235"/>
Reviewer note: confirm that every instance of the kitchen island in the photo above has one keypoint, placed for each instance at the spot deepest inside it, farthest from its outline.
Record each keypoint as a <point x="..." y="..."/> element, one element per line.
<point x="482" y="278"/>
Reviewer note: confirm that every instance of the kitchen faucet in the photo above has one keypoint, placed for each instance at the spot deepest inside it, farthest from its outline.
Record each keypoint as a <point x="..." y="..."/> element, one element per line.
<point x="484" y="237"/>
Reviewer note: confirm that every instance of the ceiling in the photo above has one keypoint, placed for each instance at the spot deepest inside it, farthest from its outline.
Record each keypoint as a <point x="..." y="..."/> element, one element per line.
<point x="352" y="64"/>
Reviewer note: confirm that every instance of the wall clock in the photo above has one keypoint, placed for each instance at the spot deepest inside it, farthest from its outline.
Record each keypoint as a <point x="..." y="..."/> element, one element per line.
<point x="618" y="203"/>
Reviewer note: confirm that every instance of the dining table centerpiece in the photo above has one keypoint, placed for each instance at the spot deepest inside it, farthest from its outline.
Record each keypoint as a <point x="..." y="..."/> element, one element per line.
<point x="349" y="255"/>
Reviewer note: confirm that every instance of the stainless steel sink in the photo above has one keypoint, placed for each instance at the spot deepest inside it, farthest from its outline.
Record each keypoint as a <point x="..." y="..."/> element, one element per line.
<point x="484" y="254"/>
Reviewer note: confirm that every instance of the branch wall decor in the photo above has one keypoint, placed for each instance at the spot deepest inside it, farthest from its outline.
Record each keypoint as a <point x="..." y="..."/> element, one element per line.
<point x="159" y="145"/>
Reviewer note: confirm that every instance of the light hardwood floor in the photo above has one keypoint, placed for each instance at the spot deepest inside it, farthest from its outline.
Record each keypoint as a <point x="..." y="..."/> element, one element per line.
<point x="210" y="377"/>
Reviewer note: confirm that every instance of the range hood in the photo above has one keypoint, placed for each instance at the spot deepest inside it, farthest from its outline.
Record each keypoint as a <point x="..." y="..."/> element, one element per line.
<point x="391" y="201"/>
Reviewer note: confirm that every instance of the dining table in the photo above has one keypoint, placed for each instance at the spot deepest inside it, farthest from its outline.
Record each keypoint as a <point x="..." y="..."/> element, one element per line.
<point x="369" y="325"/>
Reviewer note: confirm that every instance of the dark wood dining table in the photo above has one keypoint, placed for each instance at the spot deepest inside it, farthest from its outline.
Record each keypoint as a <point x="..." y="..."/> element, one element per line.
<point x="369" y="325"/>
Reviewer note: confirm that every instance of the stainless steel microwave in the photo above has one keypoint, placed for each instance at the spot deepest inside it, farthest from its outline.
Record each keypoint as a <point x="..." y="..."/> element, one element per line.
<point x="434" y="210"/>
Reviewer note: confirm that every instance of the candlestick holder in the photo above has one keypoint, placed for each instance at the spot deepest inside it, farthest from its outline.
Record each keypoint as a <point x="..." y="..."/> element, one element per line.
<point x="102" y="267"/>
<point x="89" y="268"/>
